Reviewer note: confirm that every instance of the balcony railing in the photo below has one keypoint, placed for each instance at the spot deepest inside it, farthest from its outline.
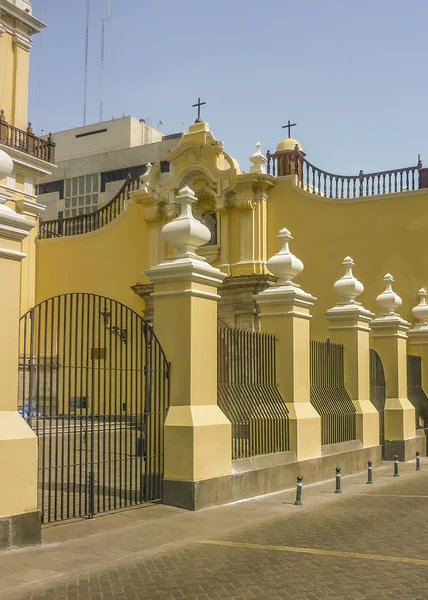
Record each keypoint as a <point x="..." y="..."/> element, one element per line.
<point x="94" y="220"/>
<point x="26" y="141"/>
<point x="328" y="185"/>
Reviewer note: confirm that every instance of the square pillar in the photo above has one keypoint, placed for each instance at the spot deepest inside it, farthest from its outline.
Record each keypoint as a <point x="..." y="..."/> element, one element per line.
<point x="197" y="435"/>
<point x="349" y="326"/>
<point x="20" y="523"/>
<point x="285" y="313"/>
<point x="389" y="339"/>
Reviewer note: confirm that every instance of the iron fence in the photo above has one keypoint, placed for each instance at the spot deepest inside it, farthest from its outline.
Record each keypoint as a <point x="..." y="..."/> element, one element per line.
<point x="94" y="387"/>
<point x="328" y="393"/>
<point x="377" y="393"/>
<point x="330" y="185"/>
<point x="92" y="221"/>
<point x="248" y="394"/>
<point x="415" y="392"/>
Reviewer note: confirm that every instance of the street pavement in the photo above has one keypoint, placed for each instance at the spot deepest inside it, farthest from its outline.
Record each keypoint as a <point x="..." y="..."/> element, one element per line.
<point x="367" y="543"/>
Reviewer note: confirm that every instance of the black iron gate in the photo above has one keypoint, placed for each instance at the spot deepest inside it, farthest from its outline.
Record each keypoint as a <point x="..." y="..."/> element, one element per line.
<point x="377" y="393"/>
<point x="94" y="387"/>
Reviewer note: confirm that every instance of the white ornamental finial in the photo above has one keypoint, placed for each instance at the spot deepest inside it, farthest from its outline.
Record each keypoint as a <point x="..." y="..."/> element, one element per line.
<point x="6" y="165"/>
<point x="388" y="300"/>
<point x="348" y="287"/>
<point x="259" y="161"/>
<point x="185" y="232"/>
<point x="284" y="265"/>
<point x="420" y="312"/>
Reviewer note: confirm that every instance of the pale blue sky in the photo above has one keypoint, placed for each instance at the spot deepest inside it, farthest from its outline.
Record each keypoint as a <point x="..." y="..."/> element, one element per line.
<point x="351" y="73"/>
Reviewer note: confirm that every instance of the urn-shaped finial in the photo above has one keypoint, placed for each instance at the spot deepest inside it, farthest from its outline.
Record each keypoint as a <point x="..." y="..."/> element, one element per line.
<point x="258" y="161"/>
<point x="6" y="165"/>
<point x="348" y="287"/>
<point x="284" y="265"/>
<point x="388" y="300"/>
<point x="185" y="232"/>
<point x="420" y="312"/>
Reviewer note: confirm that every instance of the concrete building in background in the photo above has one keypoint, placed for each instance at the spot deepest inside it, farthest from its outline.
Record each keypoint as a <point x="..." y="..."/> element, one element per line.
<point x="94" y="162"/>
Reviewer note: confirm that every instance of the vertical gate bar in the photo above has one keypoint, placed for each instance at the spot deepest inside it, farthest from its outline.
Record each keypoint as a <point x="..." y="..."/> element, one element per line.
<point x="103" y="349"/>
<point x="138" y="325"/>
<point x="64" y="372"/>
<point x="96" y="361"/>
<point x="124" y="347"/>
<point x="52" y="330"/>
<point x="148" y="394"/>
<point x="116" y="396"/>
<point x="108" y="309"/>
<point x="75" y="319"/>
<point x="49" y="441"/>
<point x="119" y="345"/>
<point x="156" y="436"/>
<point x="132" y="412"/>
<point x="143" y="383"/>
<point x="81" y="331"/>
<point x="92" y="406"/>
<point x="84" y="432"/>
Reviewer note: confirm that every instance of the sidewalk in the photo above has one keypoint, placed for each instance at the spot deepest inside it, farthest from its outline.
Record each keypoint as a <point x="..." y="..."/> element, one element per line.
<point x="81" y="548"/>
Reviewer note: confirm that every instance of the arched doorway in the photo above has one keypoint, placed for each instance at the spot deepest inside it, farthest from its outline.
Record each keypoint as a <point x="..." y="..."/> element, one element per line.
<point x="94" y="387"/>
<point x="377" y="393"/>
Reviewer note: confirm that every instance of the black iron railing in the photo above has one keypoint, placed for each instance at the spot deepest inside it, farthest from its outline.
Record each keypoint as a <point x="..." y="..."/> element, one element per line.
<point x="328" y="393"/>
<point x="377" y="393"/>
<point x="96" y="400"/>
<point x="415" y="392"/>
<point x="248" y="395"/>
<point x="329" y="185"/>
<point x="26" y="141"/>
<point x="92" y="221"/>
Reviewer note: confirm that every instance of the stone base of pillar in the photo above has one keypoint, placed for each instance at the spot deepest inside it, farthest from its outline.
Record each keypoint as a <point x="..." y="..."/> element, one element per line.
<point x="197" y="443"/>
<point x="19" y="519"/>
<point x="267" y="474"/>
<point x="367" y="423"/>
<point x="400" y="419"/>
<point x="19" y="531"/>
<point x="406" y="449"/>
<point x="304" y="430"/>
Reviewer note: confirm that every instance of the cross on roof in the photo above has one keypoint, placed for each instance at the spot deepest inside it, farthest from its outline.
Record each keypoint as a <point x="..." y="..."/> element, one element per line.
<point x="198" y="104"/>
<point x="289" y="126"/>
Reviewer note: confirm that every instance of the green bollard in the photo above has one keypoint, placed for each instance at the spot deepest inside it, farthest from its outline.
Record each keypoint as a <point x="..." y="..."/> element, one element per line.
<point x="396" y="466"/>
<point x="338" y="490"/>
<point x="299" y="491"/>
<point x="369" y="472"/>
<point x="418" y="461"/>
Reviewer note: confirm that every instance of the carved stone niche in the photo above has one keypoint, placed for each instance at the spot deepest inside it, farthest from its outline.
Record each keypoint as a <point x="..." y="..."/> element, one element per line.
<point x="237" y="307"/>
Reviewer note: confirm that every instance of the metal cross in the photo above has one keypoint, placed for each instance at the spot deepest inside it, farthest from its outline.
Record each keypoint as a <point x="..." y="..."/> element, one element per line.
<point x="289" y="126"/>
<point x="198" y="104"/>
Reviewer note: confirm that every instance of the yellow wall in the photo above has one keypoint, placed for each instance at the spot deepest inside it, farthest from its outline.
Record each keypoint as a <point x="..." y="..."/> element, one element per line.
<point x="106" y="262"/>
<point x="382" y="234"/>
<point x="14" y="65"/>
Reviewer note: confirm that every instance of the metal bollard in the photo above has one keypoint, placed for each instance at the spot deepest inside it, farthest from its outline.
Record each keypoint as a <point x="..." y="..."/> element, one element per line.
<point x="299" y="491"/>
<point x="396" y="466"/>
<point x="338" y="490"/>
<point x="418" y="461"/>
<point x="369" y="472"/>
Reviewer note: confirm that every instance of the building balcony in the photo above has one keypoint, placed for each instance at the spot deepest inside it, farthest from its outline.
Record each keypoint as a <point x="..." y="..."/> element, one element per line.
<point x="26" y="141"/>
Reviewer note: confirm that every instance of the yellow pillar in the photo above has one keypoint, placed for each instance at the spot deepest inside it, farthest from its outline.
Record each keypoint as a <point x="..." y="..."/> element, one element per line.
<point x="197" y="433"/>
<point x="18" y="443"/>
<point x="418" y="336"/>
<point x="390" y="342"/>
<point x="349" y="326"/>
<point x="285" y="313"/>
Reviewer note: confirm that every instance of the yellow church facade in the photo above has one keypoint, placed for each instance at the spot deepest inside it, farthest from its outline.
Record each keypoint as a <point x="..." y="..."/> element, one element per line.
<point x="209" y="333"/>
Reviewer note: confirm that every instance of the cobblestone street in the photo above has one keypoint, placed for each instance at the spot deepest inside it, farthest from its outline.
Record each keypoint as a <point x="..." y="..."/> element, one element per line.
<point x="367" y="543"/>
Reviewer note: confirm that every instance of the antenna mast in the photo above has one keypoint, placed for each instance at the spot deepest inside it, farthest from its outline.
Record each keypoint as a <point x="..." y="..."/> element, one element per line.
<point x="104" y="20"/>
<point x="85" y="86"/>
